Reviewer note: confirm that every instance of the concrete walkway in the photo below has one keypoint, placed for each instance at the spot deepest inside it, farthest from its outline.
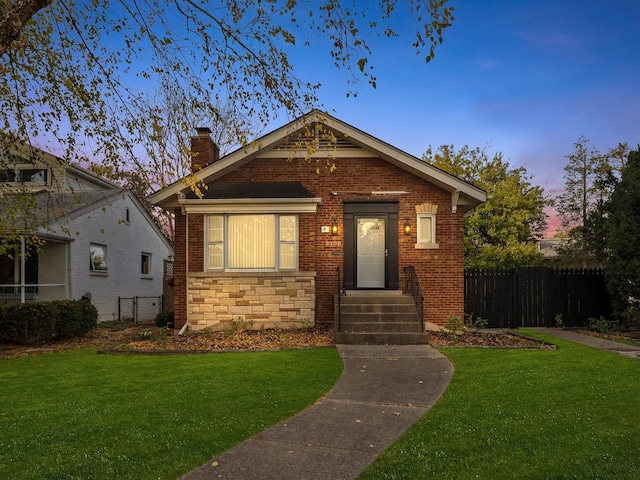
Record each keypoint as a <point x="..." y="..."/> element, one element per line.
<point x="621" y="348"/>
<point x="383" y="390"/>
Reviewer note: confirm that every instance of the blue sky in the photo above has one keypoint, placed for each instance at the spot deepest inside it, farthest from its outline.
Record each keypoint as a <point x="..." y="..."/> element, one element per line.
<point x="526" y="77"/>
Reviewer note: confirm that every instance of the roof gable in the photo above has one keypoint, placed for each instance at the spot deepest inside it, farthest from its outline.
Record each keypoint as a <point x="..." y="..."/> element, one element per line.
<point x="318" y="135"/>
<point x="62" y="176"/>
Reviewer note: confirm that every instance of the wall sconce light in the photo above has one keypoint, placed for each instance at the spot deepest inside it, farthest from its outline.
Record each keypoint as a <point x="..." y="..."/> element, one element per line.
<point x="407" y="226"/>
<point x="334" y="225"/>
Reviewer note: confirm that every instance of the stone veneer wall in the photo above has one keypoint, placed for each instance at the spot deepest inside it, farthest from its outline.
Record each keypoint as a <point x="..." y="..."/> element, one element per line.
<point x="256" y="299"/>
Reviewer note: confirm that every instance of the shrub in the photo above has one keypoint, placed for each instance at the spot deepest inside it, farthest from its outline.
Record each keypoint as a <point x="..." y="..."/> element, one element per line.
<point x="165" y="319"/>
<point x="559" y="322"/>
<point x="40" y="322"/>
<point x="454" y="324"/>
<point x="602" y="325"/>
<point x="481" y="322"/>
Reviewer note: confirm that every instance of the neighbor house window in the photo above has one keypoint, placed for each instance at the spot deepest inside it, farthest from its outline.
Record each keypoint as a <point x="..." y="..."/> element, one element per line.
<point x="145" y="264"/>
<point x="33" y="175"/>
<point x="25" y="174"/>
<point x="252" y="242"/>
<point x="98" y="258"/>
<point x="426" y="229"/>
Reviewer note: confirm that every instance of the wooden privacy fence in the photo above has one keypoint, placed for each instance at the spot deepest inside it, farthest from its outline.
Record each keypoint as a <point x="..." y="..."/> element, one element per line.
<point x="532" y="297"/>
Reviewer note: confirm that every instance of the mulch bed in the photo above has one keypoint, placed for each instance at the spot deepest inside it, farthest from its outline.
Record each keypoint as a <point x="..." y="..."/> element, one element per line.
<point x="485" y="338"/>
<point x="136" y="338"/>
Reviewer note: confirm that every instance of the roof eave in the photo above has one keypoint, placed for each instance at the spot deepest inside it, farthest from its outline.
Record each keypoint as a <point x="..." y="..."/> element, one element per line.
<point x="250" y="205"/>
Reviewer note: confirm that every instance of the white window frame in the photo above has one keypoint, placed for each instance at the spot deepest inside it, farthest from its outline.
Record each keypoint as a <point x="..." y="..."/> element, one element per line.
<point x="218" y="242"/>
<point x="422" y="244"/>
<point x="93" y="268"/>
<point x="278" y="243"/>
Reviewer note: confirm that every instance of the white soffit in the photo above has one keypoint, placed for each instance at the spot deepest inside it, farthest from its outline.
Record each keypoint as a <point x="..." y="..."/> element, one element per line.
<point x="250" y="205"/>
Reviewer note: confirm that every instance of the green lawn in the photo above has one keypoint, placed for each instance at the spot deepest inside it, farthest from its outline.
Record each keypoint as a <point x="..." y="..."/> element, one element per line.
<point x="534" y="414"/>
<point x="81" y="415"/>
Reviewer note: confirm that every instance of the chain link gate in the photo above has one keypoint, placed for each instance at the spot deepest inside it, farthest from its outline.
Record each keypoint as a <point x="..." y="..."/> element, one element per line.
<point x="139" y="309"/>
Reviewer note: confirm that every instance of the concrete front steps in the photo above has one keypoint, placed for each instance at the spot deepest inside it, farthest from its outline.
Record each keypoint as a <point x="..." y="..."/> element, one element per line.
<point x="379" y="318"/>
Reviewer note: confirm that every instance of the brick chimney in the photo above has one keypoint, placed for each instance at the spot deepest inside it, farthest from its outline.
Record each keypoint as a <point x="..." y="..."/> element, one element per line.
<point x="204" y="150"/>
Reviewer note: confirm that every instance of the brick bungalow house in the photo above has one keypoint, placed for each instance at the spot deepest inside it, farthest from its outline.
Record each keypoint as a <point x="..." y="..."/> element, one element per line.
<point x="311" y="217"/>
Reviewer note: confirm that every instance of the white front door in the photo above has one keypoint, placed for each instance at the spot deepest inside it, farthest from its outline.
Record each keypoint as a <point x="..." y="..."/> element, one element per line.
<point x="371" y="252"/>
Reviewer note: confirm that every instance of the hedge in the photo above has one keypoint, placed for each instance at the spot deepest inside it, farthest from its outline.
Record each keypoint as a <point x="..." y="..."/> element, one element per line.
<point x="42" y="322"/>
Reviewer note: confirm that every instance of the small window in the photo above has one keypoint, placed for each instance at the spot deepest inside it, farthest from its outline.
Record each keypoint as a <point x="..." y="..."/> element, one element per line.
<point x="98" y="258"/>
<point x="34" y="175"/>
<point x="145" y="264"/>
<point x="426" y="229"/>
<point x="127" y="217"/>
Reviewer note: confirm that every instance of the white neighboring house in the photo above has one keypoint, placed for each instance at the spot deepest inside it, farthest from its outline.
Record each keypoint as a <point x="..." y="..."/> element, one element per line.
<point x="98" y="239"/>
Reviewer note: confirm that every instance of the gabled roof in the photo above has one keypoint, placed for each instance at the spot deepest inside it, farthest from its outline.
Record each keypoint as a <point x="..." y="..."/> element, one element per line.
<point x="44" y="208"/>
<point x="20" y="152"/>
<point x="346" y="140"/>
<point x="68" y="207"/>
<point x="47" y="209"/>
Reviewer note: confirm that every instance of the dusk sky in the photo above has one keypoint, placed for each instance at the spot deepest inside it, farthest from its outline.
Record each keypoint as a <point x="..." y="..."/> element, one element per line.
<point x="526" y="77"/>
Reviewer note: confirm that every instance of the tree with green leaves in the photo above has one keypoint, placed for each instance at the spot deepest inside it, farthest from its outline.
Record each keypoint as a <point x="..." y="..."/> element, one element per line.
<point x="79" y="70"/>
<point x="78" y="79"/>
<point x="502" y="232"/>
<point x="622" y="266"/>
<point x="590" y="177"/>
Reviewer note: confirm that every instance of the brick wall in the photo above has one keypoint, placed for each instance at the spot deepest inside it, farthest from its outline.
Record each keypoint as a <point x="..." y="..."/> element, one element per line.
<point x="440" y="270"/>
<point x="180" y="270"/>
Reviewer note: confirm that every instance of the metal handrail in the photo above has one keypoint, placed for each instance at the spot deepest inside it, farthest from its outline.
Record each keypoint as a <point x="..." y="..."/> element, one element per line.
<point x="412" y="286"/>
<point x="341" y="293"/>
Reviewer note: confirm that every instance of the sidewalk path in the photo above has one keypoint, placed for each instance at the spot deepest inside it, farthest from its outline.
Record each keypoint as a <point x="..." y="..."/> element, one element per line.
<point x="383" y="390"/>
<point x="621" y="348"/>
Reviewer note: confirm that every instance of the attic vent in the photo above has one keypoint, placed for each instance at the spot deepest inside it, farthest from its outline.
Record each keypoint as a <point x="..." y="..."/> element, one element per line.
<point x="318" y="137"/>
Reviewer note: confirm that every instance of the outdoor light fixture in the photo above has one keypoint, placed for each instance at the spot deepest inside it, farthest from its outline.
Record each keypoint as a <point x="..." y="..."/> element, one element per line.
<point x="407" y="226"/>
<point x="334" y="225"/>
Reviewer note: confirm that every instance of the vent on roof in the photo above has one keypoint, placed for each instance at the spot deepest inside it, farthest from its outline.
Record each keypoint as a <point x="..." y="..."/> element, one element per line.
<point x="317" y="137"/>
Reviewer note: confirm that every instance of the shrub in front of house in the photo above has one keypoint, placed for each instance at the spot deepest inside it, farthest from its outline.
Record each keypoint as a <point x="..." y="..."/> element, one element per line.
<point x="41" y="322"/>
<point x="165" y="319"/>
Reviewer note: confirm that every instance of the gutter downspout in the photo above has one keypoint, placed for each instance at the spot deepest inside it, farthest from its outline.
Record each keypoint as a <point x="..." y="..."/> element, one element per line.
<point x="183" y="329"/>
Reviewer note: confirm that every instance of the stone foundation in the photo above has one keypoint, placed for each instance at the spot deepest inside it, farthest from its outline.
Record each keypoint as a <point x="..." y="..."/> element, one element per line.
<point x="251" y="300"/>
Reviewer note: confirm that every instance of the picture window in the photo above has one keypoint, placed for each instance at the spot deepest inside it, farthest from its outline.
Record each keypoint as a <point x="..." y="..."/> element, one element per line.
<point x="265" y="242"/>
